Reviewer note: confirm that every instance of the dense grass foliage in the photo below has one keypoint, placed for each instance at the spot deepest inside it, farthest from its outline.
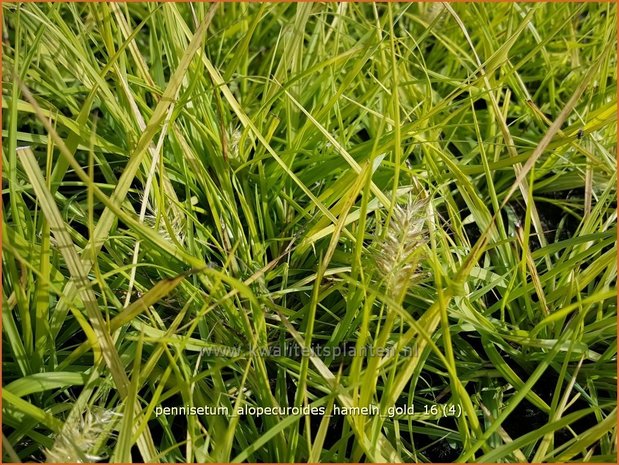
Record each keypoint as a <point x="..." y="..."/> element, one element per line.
<point x="322" y="206"/>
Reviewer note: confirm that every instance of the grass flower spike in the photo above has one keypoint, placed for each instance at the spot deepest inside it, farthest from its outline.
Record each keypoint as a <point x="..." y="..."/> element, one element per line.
<point x="401" y="250"/>
<point x="76" y="443"/>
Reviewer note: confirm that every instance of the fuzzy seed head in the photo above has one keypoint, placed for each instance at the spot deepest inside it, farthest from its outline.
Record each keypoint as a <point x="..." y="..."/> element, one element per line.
<point x="235" y="141"/>
<point x="75" y="443"/>
<point x="401" y="250"/>
<point x="153" y="218"/>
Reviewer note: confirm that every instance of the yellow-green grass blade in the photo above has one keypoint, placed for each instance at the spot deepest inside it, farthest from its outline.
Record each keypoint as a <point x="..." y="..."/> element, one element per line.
<point x="81" y="281"/>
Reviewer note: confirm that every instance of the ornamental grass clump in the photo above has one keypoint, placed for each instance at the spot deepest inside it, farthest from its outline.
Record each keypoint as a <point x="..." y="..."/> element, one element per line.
<point x="189" y="185"/>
